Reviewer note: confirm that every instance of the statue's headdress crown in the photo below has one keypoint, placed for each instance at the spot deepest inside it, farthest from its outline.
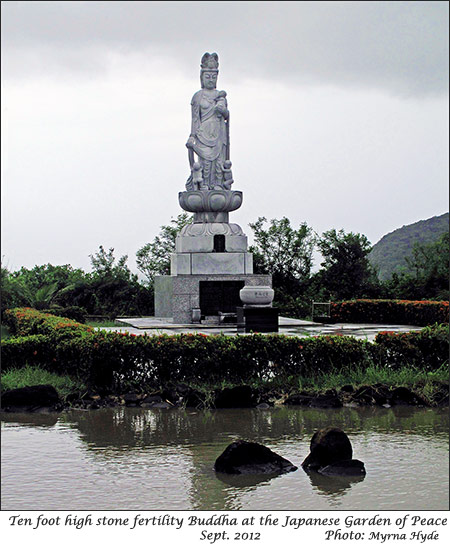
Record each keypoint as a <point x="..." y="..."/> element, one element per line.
<point x="210" y="62"/>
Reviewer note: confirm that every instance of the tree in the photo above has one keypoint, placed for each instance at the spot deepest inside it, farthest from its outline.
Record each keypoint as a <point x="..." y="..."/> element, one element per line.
<point x="13" y="291"/>
<point x="154" y="258"/>
<point x="41" y="276"/>
<point x="282" y="250"/>
<point x="41" y="286"/>
<point x="104" y="266"/>
<point x="427" y="274"/>
<point x="113" y="289"/>
<point x="346" y="271"/>
<point x="286" y="253"/>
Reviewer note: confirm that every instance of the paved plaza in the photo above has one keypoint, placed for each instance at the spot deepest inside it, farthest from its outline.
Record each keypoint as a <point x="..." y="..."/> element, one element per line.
<point x="287" y="326"/>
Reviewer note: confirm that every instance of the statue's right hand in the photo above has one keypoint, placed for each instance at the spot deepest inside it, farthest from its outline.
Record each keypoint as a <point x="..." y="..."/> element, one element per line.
<point x="190" y="143"/>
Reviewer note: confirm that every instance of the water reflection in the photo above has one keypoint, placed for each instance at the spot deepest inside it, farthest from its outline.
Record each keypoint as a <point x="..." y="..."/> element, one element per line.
<point x="31" y="419"/>
<point x="133" y="458"/>
<point x="245" y="480"/>
<point x="334" y="486"/>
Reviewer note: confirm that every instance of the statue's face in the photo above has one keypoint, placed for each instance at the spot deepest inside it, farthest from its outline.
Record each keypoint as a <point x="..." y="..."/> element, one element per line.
<point x="209" y="80"/>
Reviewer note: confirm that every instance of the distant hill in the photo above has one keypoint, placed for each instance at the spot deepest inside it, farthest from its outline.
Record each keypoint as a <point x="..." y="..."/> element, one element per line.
<point x="388" y="255"/>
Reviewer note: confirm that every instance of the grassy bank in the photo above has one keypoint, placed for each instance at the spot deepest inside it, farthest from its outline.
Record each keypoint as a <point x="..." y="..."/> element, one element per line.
<point x="33" y="375"/>
<point x="425" y="384"/>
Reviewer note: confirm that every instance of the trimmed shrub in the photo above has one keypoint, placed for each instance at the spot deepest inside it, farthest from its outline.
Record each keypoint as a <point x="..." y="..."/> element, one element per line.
<point x="418" y="313"/>
<point x="73" y="312"/>
<point x="18" y="352"/>
<point x="427" y="349"/>
<point x="113" y="360"/>
<point x="25" y="321"/>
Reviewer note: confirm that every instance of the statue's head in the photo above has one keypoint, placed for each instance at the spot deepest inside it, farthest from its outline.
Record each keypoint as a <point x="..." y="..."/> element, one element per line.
<point x="227" y="164"/>
<point x="209" y="70"/>
<point x="197" y="166"/>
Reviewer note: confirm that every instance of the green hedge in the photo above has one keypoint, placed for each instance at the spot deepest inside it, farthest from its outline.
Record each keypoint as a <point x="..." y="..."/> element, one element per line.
<point x="119" y="360"/>
<point x="17" y="351"/>
<point x="418" y="313"/>
<point x="427" y="349"/>
<point x="25" y="321"/>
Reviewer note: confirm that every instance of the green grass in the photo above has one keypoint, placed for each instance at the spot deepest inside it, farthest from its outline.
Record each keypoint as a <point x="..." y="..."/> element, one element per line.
<point x="425" y="384"/>
<point x="32" y="375"/>
<point x="407" y="377"/>
<point x="422" y="382"/>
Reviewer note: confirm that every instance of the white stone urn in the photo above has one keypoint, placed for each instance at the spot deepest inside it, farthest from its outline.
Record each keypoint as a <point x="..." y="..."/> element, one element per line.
<point x="257" y="296"/>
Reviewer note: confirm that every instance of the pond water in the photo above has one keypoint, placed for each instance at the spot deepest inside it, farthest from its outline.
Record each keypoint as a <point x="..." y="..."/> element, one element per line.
<point x="142" y="459"/>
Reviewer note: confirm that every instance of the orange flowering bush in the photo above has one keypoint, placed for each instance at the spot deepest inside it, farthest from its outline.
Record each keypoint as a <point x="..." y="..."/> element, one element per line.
<point x="417" y="313"/>
<point x="25" y="321"/>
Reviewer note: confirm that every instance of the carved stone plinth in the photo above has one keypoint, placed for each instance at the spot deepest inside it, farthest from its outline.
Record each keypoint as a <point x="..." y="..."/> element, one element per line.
<point x="210" y="200"/>
<point x="181" y="296"/>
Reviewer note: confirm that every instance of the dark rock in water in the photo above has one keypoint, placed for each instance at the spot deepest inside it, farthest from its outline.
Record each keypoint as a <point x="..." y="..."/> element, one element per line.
<point x="188" y="397"/>
<point x="243" y="457"/>
<point x="328" y="400"/>
<point x="152" y="399"/>
<point x="401" y="396"/>
<point x="162" y="405"/>
<point x="131" y="399"/>
<point x="328" y="446"/>
<point x="263" y="405"/>
<point x="31" y="398"/>
<point x="371" y="395"/>
<point x="440" y="398"/>
<point x="351" y="467"/>
<point x="331" y="455"/>
<point x="299" y="399"/>
<point x="241" y="396"/>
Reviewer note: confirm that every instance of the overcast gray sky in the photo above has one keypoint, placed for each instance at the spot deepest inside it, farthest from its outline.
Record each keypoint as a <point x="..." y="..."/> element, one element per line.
<point x="339" y="117"/>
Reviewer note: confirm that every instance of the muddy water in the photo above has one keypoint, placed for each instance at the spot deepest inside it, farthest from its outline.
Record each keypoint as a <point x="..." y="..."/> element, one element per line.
<point x="140" y="459"/>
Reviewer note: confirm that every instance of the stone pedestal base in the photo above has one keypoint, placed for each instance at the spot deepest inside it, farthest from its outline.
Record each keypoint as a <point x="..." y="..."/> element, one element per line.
<point x="257" y="319"/>
<point x="212" y="263"/>
<point x="180" y="296"/>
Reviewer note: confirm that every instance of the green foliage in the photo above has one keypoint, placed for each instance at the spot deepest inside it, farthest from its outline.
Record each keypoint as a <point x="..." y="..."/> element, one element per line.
<point x="154" y="258"/>
<point x="26" y="350"/>
<point x="282" y="250"/>
<point x="5" y="333"/>
<point x="418" y="313"/>
<point x="390" y="253"/>
<point x="427" y="275"/>
<point x="111" y="289"/>
<point x="13" y="291"/>
<point x="48" y="275"/>
<point x="346" y="271"/>
<point x="427" y="349"/>
<point x="27" y="321"/>
<point x="104" y="266"/>
<point x="373" y="374"/>
<point x="286" y="254"/>
<point x="33" y="375"/>
<point x="72" y="312"/>
<point x="120" y="360"/>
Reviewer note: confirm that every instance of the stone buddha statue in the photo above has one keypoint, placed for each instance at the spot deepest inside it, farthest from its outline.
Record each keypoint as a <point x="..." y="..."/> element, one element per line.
<point x="210" y="137"/>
